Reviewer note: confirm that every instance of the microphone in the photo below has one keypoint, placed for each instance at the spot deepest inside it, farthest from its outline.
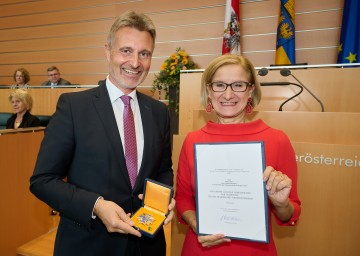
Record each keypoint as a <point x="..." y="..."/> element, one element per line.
<point x="282" y="84"/>
<point x="263" y="72"/>
<point x="287" y="72"/>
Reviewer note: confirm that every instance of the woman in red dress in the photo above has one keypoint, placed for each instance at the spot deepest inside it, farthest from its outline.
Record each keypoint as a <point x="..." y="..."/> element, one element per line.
<point x="229" y="87"/>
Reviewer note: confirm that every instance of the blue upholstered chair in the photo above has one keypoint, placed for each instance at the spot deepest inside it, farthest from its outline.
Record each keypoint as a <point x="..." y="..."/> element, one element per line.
<point x="3" y="119"/>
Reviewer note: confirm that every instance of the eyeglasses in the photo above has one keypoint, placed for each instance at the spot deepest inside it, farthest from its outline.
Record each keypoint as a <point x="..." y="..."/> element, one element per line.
<point x="240" y="86"/>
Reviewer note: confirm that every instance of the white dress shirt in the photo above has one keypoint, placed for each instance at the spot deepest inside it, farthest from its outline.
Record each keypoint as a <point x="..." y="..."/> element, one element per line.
<point x="118" y="107"/>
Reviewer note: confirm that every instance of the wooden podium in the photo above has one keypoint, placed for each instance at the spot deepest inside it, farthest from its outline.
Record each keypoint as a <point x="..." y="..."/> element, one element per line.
<point x="23" y="217"/>
<point x="326" y="146"/>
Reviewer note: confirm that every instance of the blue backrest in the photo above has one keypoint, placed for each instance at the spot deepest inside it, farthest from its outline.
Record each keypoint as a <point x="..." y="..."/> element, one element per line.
<point x="3" y="119"/>
<point x="44" y="120"/>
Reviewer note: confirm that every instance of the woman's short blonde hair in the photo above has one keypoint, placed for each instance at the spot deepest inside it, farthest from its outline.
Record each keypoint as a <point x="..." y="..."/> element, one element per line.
<point x="24" y="96"/>
<point x="230" y="59"/>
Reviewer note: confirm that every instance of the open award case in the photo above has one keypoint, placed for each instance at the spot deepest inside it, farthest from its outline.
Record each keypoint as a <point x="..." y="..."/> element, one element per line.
<point x="151" y="216"/>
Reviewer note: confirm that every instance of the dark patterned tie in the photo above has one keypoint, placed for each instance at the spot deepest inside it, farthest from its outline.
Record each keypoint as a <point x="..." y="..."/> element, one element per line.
<point x="130" y="140"/>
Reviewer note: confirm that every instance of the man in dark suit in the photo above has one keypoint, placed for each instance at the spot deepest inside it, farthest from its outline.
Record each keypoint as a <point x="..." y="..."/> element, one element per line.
<point x="84" y="143"/>
<point x="54" y="77"/>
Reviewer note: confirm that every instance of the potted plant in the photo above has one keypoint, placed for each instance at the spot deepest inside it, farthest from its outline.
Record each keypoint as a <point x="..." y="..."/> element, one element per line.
<point x="168" y="79"/>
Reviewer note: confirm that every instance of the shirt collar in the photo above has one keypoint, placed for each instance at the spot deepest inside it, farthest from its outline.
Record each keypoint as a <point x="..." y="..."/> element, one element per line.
<point x="116" y="93"/>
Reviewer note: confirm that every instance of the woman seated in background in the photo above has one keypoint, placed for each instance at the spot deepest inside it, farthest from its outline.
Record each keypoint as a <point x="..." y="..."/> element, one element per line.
<point x="21" y="78"/>
<point x="229" y="87"/>
<point x="21" y="101"/>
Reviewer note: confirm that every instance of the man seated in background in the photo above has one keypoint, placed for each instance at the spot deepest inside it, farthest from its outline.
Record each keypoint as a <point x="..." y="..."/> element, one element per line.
<point x="54" y="77"/>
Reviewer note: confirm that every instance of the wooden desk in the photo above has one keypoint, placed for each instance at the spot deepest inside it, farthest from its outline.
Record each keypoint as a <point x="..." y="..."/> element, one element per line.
<point x="20" y="130"/>
<point x="23" y="217"/>
<point x="41" y="246"/>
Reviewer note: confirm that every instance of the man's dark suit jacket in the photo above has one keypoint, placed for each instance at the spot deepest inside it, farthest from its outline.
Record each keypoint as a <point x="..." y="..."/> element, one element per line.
<point x="60" y="82"/>
<point x="82" y="143"/>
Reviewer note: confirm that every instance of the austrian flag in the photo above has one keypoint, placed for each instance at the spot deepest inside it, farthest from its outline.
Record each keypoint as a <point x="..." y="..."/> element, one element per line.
<point x="231" y="40"/>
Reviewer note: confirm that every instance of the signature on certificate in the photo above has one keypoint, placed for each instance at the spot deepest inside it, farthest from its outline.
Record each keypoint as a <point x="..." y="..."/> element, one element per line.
<point x="231" y="219"/>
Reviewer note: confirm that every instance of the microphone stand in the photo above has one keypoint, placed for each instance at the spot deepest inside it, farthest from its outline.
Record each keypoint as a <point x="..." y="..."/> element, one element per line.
<point x="316" y="98"/>
<point x="284" y="84"/>
<point x="287" y="72"/>
<point x="301" y="89"/>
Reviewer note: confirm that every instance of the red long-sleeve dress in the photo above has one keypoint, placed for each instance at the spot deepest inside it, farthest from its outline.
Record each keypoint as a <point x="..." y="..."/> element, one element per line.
<point x="278" y="154"/>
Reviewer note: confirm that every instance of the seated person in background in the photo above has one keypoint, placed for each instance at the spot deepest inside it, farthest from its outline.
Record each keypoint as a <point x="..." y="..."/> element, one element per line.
<point x="22" y="102"/>
<point x="21" y="78"/>
<point x="54" y="77"/>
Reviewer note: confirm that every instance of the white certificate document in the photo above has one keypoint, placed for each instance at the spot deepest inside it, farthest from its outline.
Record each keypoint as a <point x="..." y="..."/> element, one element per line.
<point x="231" y="196"/>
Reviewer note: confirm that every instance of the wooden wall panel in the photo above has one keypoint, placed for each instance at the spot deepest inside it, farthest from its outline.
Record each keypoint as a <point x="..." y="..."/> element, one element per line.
<point x="200" y="46"/>
<point x="155" y="7"/>
<point x="71" y="34"/>
<point x="66" y="15"/>
<point x="308" y="6"/>
<point x="58" y="31"/>
<point x="317" y="38"/>
<point x="191" y="32"/>
<point x="57" y="56"/>
<point x="193" y="15"/>
<point x="51" y="44"/>
<point x="38" y="6"/>
<point x="317" y="56"/>
<point x="6" y="2"/>
<point x="315" y="20"/>
<point x="84" y="68"/>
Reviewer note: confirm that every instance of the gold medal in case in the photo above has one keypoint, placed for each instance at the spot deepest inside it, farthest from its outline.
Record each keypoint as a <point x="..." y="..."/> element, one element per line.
<point x="155" y="207"/>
